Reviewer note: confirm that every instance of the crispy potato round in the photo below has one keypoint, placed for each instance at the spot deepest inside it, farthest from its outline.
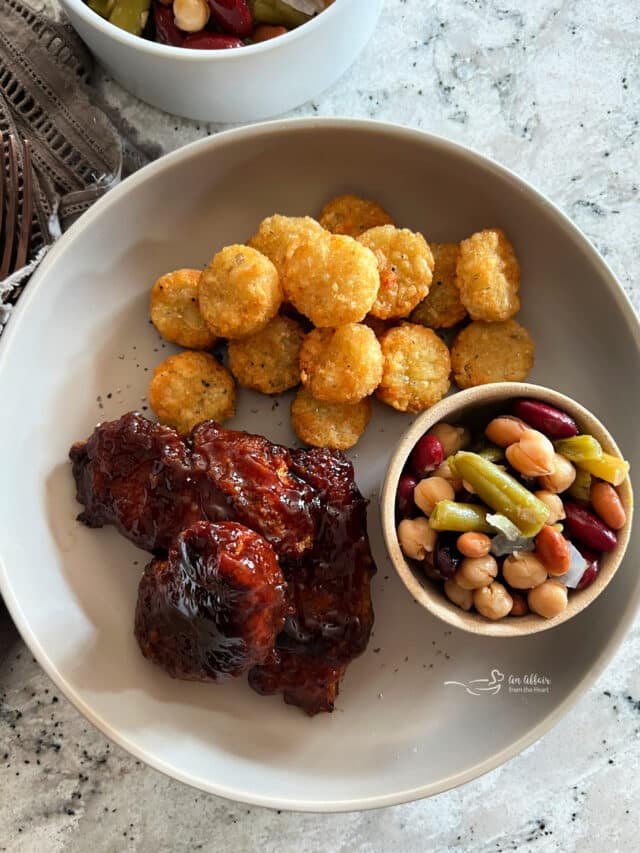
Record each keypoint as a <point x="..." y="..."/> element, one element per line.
<point x="352" y="215"/>
<point x="488" y="276"/>
<point x="239" y="292"/>
<point x="175" y="313"/>
<point x="342" y="365"/>
<point x="191" y="387"/>
<point x="491" y="352"/>
<point x="416" y="368"/>
<point x="405" y="263"/>
<point x="277" y="236"/>
<point x="331" y="279"/>
<point x="334" y="425"/>
<point x="442" y="308"/>
<point x="268" y="361"/>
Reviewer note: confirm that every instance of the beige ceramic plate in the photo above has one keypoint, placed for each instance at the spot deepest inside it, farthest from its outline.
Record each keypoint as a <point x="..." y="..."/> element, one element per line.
<point x="80" y="349"/>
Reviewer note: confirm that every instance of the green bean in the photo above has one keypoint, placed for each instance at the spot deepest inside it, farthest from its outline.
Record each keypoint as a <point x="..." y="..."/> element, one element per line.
<point x="450" y="515"/>
<point x="277" y="12"/>
<point x="130" y="15"/>
<point x="613" y="469"/>
<point x="491" y="452"/>
<point x="579" y="448"/>
<point x="580" y="489"/>
<point x="102" y="7"/>
<point x="500" y="491"/>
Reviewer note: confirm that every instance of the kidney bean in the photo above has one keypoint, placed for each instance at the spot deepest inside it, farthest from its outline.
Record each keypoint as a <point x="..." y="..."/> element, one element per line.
<point x="166" y="30"/>
<point x="426" y="455"/>
<point x="549" y="420"/>
<point x="606" y="502"/>
<point x="587" y="528"/>
<point x="446" y="557"/>
<point x="593" y="566"/>
<point x="264" y="32"/>
<point x="405" y="502"/>
<point x="211" y="41"/>
<point x="553" y="550"/>
<point x="233" y="16"/>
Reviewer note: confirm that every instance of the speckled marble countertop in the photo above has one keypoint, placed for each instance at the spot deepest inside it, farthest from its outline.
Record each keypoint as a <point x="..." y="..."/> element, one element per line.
<point x="552" y="90"/>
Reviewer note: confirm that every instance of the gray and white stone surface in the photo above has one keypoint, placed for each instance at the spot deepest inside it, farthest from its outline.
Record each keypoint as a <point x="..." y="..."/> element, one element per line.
<point x="552" y="90"/>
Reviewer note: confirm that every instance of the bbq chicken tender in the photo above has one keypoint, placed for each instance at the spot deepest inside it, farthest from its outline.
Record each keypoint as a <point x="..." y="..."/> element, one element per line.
<point x="331" y="279"/>
<point x="405" y="264"/>
<point x="277" y="236"/>
<point x="175" y="313"/>
<point x="337" y="426"/>
<point x="341" y="365"/>
<point x="416" y="368"/>
<point x="239" y="292"/>
<point x="268" y="360"/>
<point x="352" y="215"/>
<point x="488" y="276"/>
<point x="491" y="352"/>
<point x="442" y="308"/>
<point x="191" y="387"/>
<point x="214" y="607"/>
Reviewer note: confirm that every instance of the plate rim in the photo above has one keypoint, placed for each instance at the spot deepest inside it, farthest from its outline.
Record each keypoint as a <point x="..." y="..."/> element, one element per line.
<point x="164" y="163"/>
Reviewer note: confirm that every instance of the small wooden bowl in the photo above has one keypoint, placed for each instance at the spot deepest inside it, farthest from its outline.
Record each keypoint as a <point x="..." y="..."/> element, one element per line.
<point x="475" y="407"/>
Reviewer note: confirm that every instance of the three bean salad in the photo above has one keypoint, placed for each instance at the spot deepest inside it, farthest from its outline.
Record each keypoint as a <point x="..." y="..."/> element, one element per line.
<point x="510" y="521"/>
<point x="208" y="24"/>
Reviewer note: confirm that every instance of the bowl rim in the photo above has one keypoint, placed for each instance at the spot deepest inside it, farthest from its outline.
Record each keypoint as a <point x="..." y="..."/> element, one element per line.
<point x="166" y="50"/>
<point x="430" y="595"/>
<point x="273" y="128"/>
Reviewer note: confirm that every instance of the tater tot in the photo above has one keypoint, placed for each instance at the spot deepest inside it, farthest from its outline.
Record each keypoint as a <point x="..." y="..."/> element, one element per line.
<point x="331" y="279"/>
<point x="405" y="264"/>
<point x="189" y="388"/>
<point x="416" y="368"/>
<point x="488" y="276"/>
<point x="491" y="352"/>
<point x="334" y="425"/>
<point x="239" y="292"/>
<point x="174" y="310"/>
<point x="352" y="215"/>
<point x="268" y="361"/>
<point x="277" y="236"/>
<point x="342" y="365"/>
<point x="442" y="308"/>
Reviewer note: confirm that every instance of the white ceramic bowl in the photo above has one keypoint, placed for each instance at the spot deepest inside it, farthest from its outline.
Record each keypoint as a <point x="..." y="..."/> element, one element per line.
<point x="75" y="352"/>
<point x="237" y="85"/>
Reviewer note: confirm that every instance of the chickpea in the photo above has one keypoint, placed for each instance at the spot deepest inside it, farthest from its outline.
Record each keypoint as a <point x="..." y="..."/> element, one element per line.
<point x="476" y="572"/>
<point x="458" y="595"/>
<point x="561" y="478"/>
<point x="519" y="606"/>
<point x="473" y="544"/>
<point x="505" y="430"/>
<point x="453" y="437"/>
<point x="606" y="502"/>
<point x="523" y="570"/>
<point x="443" y="470"/>
<point x="554" y="505"/>
<point x="191" y="16"/>
<point x="532" y="455"/>
<point x="493" y="601"/>
<point x="549" y="599"/>
<point x="431" y="490"/>
<point x="416" y="538"/>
